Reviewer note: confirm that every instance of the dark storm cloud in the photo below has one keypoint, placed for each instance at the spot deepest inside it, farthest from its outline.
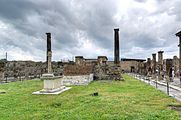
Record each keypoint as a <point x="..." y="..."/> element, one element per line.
<point x="62" y="18"/>
<point x="88" y="24"/>
<point x="97" y="21"/>
<point x="15" y="9"/>
<point x="35" y="19"/>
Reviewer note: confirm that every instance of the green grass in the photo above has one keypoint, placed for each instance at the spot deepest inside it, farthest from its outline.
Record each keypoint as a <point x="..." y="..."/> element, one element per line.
<point x="117" y="100"/>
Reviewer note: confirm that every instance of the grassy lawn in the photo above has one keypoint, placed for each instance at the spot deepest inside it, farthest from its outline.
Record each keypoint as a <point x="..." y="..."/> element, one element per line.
<point x="117" y="100"/>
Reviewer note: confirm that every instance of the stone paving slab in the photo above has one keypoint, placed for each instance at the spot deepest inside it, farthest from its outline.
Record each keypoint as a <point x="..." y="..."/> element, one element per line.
<point x="51" y="93"/>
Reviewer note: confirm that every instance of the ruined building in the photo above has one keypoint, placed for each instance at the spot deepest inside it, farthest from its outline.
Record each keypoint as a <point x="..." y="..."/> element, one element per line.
<point x="133" y="65"/>
<point x="2" y="69"/>
<point x="100" y="67"/>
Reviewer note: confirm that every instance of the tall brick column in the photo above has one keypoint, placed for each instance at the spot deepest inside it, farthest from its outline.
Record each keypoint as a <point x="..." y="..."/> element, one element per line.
<point x="160" y="63"/>
<point x="153" y="63"/>
<point x="116" y="46"/>
<point x="148" y="67"/>
<point x="179" y="35"/>
<point x="49" y="53"/>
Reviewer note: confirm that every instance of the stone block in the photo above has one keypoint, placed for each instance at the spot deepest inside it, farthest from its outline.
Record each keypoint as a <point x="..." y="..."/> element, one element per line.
<point x="77" y="80"/>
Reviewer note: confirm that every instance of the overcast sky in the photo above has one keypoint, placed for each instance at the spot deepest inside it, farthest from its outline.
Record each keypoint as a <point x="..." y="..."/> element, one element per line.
<point x="85" y="27"/>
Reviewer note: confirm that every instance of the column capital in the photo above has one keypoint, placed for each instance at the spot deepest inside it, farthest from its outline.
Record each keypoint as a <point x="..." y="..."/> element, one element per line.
<point x="116" y="29"/>
<point x="48" y="34"/>
<point x="178" y="34"/>
<point x="153" y="54"/>
<point x="148" y="59"/>
<point x="160" y="51"/>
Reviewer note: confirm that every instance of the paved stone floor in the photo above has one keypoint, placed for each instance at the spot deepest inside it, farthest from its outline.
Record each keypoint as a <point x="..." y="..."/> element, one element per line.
<point x="174" y="90"/>
<point x="176" y="82"/>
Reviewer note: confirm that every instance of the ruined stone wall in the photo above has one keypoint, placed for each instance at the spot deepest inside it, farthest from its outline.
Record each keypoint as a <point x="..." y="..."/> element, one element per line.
<point x="100" y="67"/>
<point x="142" y="68"/>
<point x="2" y="69"/>
<point x="30" y="69"/>
<point x="110" y="62"/>
<point x="168" y="63"/>
<point x="128" y="65"/>
<point x="101" y="71"/>
<point x="25" y="68"/>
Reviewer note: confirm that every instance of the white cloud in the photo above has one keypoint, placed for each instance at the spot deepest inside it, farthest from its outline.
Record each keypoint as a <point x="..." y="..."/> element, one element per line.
<point x="82" y="27"/>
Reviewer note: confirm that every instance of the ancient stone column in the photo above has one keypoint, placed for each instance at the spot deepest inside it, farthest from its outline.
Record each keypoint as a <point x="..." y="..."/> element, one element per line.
<point x="49" y="53"/>
<point x="179" y="35"/>
<point x="160" y="63"/>
<point x="154" y="63"/>
<point x="176" y="64"/>
<point x="116" y="46"/>
<point x="148" y="66"/>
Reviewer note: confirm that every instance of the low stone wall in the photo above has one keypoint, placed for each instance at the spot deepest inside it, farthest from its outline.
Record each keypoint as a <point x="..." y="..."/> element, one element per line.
<point x="77" y="80"/>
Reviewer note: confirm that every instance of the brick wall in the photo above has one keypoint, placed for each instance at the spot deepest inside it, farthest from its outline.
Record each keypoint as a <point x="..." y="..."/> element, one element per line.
<point x="71" y="70"/>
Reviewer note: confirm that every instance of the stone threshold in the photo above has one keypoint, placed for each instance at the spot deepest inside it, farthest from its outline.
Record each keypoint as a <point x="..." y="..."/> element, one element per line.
<point x="56" y="92"/>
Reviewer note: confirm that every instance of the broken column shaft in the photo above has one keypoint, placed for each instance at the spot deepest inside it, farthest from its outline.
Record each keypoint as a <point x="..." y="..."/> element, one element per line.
<point x="116" y="46"/>
<point x="148" y="66"/>
<point x="160" y="63"/>
<point x="49" y="53"/>
<point x="154" y="63"/>
<point x="160" y="59"/>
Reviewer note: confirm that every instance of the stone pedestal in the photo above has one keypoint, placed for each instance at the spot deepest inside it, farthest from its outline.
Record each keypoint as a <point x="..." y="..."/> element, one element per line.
<point x="52" y="85"/>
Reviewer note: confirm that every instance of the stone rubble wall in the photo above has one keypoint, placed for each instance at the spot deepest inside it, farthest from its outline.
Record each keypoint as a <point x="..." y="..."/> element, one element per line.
<point x="126" y="65"/>
<point x="30" y="69"/>
<point x="74" y="70"/>
<point x="100" y="68"/>
<point x="77" y="80"/>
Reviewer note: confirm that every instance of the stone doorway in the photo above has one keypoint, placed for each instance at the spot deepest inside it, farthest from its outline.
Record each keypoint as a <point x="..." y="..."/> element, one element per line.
<point x="132" y="69"/>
